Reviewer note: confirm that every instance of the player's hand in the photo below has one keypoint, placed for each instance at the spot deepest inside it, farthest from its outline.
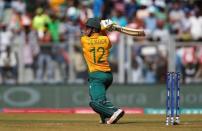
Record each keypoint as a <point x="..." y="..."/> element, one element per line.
<point x="107" y="24"/>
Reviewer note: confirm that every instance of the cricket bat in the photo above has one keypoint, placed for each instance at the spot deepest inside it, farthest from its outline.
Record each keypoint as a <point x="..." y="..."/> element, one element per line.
<point x="128" y="31"/>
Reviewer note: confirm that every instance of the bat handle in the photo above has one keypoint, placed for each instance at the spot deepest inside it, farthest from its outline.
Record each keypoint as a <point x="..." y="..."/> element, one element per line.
<point x="141" y="33"/>
<point x="116" y="27"/>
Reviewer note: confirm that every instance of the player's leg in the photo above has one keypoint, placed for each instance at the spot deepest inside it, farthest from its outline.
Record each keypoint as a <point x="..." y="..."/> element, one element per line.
<point x="97" y="91"/>
<point x="99" y="103"/>
<point x="107" y="116"/>
<point x="107" y="83"/>
<point x="119" y="113"/>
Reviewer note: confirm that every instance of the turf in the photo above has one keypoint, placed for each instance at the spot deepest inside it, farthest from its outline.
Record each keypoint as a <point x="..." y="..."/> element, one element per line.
<point x="67" y="122"/>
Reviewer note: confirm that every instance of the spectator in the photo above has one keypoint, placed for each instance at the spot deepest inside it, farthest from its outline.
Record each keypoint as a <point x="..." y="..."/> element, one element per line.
<point x="73" y="12"/>
<point x="161" y="66"/>
<point x="14" y="23"/>
<point x="26" y="19"/>
<point x="19" y="6"/>
<point x="160" y="10"/>
<point x="5" y="38"/>
<point x="2" y="4"/>
<point x="179" y="60"/>
<point x="107" y="8"/>
<point x="63" y="61"/>
<point x="196" y="25"/>
<point x="160" y="33"/>
<point x="185" y="26"/>
<point x="199" y="72"/>
<point x="149" y="55"/>
<point x="175" y="15"/>
<point x="131" y="8"/>
<point x="40" y="22"/>
<point x="97" y="8"/>
<point x="143" y="12"/>
<point x="137" y="68"/>
<point x="8" y="66"/>
<point x="136" y="23"/>
<point x="150" y="22"/>
<point x="30" y="53"/>
<point x="79" y="66"/>
<point x="149" y="71"/>
<point x="119" y="18"/>
<point x="45" y="66"/>
<point x="55" y="4"/>
<point x="190" y="64"/>
<point x="86" y="12"/>
<point x="53" y="28"/>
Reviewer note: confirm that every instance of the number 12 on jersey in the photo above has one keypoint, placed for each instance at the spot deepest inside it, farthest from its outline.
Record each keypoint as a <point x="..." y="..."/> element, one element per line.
<point x="98" y="54"/>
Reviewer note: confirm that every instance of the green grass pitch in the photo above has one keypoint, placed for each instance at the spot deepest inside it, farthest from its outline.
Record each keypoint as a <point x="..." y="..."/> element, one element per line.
<point x="90" y="122"/>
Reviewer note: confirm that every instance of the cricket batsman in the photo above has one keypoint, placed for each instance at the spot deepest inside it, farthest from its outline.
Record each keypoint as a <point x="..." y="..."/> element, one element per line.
<point x="96" y="48"/>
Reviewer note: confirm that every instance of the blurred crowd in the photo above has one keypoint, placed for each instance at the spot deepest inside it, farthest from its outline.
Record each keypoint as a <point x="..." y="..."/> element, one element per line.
<point x="35" y="37"/>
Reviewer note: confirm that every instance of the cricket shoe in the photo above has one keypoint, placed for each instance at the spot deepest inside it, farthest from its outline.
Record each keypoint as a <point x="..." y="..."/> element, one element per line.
<point x="116" y="116"/>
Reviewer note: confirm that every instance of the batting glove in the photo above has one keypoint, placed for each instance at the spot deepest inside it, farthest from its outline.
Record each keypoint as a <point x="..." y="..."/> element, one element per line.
<point x="107" y="24"/>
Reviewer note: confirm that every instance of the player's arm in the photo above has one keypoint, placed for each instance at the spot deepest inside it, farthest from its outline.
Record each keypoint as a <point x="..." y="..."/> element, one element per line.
<point x="111" y="26"/>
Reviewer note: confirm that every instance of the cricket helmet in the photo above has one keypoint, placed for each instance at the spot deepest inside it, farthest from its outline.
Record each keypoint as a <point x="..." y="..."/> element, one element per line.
<point x="94" y="23"/>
